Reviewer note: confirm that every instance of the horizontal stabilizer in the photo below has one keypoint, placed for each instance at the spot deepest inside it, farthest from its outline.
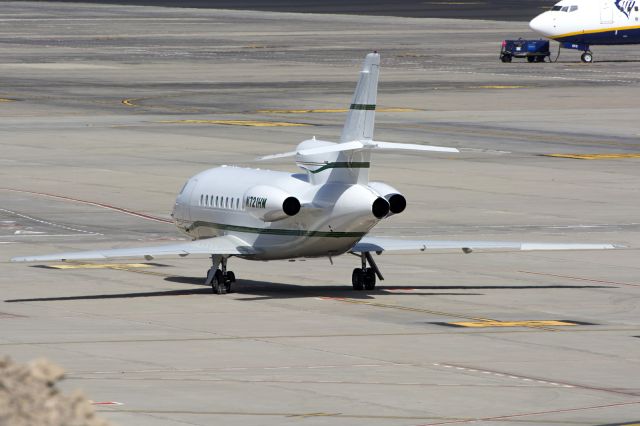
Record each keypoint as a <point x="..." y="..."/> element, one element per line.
<point x="373" y="146"/>
<point x="390" y="146"/>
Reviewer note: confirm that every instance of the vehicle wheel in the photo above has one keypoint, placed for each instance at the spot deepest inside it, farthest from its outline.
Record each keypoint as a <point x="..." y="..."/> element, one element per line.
<point x="506" y="58"/>
<point x="217" y="285"/>
<point x="531" y="58"/>
<point x="369" y="280"/>
<point x="540" y="58"/>
<point x="587" y="57"/>
<point x="357" y="279"/>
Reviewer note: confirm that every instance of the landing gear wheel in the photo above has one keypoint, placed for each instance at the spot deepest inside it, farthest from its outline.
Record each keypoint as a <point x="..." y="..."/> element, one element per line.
<point x="369" y="279"/>
<point x="217" y="284"/>
<point x="531" y="59"/>
<point x="230" y="278"/>
<point x="357" y="279"/>
<point x="587" y="57"/>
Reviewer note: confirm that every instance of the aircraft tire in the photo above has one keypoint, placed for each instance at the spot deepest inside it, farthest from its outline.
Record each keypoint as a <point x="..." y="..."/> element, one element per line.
<point x="229" y="279"/>
<point x="369" y="280"/>
<point x="587" y="57"/>
<point x="357" y="279"/>
<point x="217" y="285"/>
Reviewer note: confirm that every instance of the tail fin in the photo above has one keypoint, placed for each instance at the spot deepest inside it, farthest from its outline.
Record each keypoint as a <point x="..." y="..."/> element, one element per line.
<point x="361" y="117"/>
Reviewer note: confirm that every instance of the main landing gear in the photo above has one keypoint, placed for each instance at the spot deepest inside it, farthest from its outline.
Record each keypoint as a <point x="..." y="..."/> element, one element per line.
<point x="218" y="277"/>
<point x="364" y="278"/>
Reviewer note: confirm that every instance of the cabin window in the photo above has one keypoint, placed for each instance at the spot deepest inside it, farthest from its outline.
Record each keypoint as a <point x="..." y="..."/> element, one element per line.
<point x="226" y="202"/>
<point x="206" y="200"/>
<point x="573" y="8"/>
<point x="556" y="8"/>
<point x="237" y="203"/>
<point x="565" y="8"/>
<point x="201" y="198"/>
<point x="636" y="8"/>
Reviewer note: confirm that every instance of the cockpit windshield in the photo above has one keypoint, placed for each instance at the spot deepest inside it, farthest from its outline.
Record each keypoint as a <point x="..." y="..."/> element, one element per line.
<point x="561" y="8"/>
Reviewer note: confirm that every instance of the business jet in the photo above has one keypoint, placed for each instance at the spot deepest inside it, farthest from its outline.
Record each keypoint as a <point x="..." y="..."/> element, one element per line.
<point x="326" y="211"/>
<point x="579" y="24"/>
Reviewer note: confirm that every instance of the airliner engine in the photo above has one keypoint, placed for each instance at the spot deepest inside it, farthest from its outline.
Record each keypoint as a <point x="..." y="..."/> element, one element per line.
<point x="270" y="204"/>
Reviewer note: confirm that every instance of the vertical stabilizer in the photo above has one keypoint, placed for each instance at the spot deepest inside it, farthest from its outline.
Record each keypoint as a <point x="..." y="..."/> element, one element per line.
<point x="361" y="117"/>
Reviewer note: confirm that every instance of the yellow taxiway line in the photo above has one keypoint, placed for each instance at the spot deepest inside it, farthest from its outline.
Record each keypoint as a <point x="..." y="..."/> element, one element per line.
<point x="252" y="123"/>
<point x="595" y="156"/>
<point x="100" y="266"/>
<point x="528" y="323"/>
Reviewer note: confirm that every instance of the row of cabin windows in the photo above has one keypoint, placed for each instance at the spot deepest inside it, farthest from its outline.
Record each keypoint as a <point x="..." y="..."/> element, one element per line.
<point x="220" y="202"/>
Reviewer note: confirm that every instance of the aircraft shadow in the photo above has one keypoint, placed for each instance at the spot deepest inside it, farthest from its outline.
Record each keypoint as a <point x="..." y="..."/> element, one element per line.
<point x="264" y="290"/>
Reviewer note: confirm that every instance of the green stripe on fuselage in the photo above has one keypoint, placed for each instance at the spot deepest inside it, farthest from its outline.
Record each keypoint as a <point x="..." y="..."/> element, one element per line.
<point x="274" y="231"/>
<point x="343" y="165"/>
<point x="367" y="107"/>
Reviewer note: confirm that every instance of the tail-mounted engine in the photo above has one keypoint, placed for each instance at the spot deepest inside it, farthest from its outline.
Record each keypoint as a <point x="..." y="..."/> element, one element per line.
<point x="397" y="202"/>
<point x="270" y="204"/>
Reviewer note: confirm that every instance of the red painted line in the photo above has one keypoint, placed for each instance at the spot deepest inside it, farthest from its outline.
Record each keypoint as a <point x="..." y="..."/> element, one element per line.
<point x="107" y="403"/>
<point x="580" y="278"/>
<point x="537" y="413"/>
<point x="93" y="203"/>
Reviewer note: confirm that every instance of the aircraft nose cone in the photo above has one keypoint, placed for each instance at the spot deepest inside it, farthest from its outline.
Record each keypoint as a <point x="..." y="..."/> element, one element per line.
<point x="540" y="25"/>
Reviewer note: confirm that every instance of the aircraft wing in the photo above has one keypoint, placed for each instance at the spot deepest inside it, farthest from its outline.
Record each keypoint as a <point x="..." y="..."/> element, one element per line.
<point x="218" y="245"/>
<point x="380" y="244"/>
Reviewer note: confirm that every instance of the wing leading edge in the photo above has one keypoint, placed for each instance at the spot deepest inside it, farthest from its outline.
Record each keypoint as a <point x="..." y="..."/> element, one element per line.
<point x="380" y="244"/>
<point x="227" y="244"/>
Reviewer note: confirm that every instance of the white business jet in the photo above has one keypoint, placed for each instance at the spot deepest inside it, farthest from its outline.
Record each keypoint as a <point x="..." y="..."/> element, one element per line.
<point x="326" y="211"/>
<point x="579" y="24"/>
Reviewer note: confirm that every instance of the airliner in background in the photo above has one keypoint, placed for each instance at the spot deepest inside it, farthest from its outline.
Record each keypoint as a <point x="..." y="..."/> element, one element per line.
<point x="580" y="24"/>
<point x="326" y="211"/>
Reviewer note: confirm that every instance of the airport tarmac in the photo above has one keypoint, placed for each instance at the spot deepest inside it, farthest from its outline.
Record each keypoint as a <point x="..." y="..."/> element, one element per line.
<point x="107" y="110"/>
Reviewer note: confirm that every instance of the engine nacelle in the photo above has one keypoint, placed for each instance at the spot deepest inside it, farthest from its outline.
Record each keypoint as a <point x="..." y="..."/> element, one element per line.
<point x="397" y="202"/>
<point x="270" y="204"/>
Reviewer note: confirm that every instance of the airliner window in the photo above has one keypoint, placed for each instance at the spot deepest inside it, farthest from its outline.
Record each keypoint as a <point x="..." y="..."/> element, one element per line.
<point x="556" y="8"/>
<point x="573" y="8"/>
<point x="564" y="9"/>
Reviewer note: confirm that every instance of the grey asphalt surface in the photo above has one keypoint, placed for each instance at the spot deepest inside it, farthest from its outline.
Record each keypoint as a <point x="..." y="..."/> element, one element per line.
<point x="107" y="110"/>
<point x="499" y="10"/>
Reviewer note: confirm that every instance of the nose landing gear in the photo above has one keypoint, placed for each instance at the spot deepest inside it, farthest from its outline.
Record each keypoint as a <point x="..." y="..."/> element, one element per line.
<point x="587" y="57"/>
<point x="219" y="278"/>
<point x="364" y="278"/>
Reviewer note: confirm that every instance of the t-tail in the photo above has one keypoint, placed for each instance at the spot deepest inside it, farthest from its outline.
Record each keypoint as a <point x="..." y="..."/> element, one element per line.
<point x="349" y="161"/>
